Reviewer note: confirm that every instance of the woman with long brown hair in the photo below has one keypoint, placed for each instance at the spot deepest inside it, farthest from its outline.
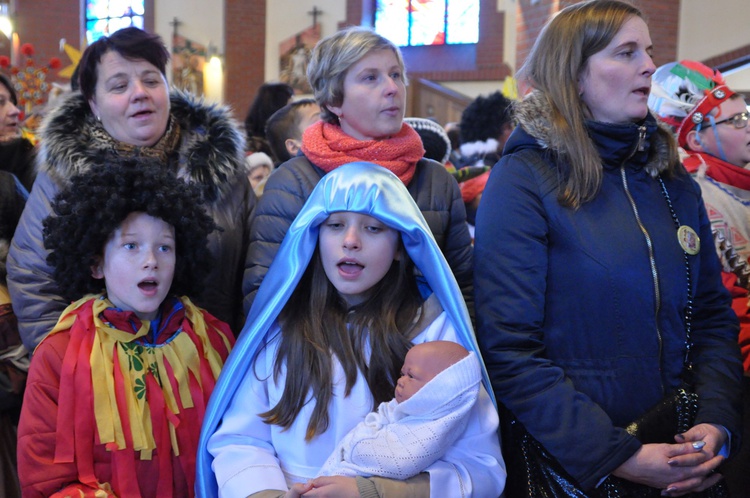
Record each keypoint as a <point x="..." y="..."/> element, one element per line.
<point x="595" y="284"/>
<point x="323" y="345"/>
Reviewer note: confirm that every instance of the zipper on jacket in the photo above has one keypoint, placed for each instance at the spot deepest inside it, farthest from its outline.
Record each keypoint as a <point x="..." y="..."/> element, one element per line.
<point x="649" y="243"/>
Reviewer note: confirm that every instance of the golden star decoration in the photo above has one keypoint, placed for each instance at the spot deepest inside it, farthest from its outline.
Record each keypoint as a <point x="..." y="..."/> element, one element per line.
<point x="75" y="56"/>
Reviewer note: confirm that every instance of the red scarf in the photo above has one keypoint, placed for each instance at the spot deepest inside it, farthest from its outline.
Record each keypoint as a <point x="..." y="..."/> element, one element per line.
<point x="328" y="147"/>
<point x="719" y="170"/>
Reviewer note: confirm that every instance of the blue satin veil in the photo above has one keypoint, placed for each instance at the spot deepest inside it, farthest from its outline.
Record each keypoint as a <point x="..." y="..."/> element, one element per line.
<point x="361" y="188"/>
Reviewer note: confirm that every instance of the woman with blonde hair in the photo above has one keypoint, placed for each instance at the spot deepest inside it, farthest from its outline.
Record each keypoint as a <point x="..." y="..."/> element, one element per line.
<point x="596" y="294"/>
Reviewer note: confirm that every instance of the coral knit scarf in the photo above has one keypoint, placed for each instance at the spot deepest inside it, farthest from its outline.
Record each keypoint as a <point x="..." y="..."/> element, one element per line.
<point x="328" y="147"/>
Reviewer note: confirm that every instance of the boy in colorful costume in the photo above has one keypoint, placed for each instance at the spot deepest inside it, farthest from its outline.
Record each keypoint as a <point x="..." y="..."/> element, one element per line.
<point x="140" y="233"/>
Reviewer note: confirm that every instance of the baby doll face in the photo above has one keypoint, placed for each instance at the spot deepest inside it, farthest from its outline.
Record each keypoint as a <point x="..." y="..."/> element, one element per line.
<point x="137" y="264"/>
<point x="417" y="371"/>
<point x="357" y="251"/>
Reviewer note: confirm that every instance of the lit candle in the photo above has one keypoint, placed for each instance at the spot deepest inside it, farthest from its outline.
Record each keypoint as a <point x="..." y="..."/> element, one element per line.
<point x="15" y="45"/>
<point x="213" y="80"/>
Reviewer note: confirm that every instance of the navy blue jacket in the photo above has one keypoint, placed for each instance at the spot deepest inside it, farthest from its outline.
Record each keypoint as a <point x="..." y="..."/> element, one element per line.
<point x="566" y="302"/>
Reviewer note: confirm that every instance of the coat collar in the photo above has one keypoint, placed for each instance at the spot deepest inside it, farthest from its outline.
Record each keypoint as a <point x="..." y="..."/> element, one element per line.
<point x="616" y="144"/>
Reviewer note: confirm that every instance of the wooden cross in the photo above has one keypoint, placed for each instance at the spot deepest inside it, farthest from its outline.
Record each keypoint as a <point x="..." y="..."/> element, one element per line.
<point x="175" y="23"/>
<point x="315" y="13"/>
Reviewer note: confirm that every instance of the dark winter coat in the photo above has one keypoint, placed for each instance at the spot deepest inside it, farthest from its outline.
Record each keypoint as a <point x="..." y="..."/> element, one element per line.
<point x="210" y="153"/>
<point x="567" y="317"/>
<point x="17" y="157"/>
<point x="432" y="187"/>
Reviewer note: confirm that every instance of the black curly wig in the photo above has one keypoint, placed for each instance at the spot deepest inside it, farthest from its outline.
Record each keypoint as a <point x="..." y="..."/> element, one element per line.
<point x="89" y="210"/>
<point x="485" y="117"/>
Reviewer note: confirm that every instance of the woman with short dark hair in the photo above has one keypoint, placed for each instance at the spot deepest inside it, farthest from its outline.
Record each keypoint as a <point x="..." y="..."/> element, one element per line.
<point x="125" y="110"/>
<point x="16" y="151"/>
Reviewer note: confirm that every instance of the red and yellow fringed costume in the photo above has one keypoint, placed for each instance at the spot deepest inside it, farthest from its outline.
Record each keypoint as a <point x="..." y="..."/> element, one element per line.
<point x="111" y="411"/>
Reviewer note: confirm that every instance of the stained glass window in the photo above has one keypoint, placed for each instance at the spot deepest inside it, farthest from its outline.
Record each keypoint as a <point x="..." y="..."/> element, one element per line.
<point x="428" y="22"/>
<point x="104" y="17"/>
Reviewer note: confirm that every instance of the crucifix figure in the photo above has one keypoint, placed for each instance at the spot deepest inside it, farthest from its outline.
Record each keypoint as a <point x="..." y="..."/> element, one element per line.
<point x="175" y="23"/>
<point x="315" y="13"/>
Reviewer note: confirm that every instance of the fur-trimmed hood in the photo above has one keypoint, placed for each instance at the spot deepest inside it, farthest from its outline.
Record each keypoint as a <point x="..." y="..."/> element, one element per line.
<point x="614" y="142"/>
<point x="210" y="151"/>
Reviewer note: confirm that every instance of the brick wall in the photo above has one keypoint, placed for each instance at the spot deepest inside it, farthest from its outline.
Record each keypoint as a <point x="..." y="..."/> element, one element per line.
<point x="662" y="18"/>
<point x="529" y="21"/>
<point x="483" y="61"/>
<point x="731" y="59"/>
<point x="244" y="52"/>
<point x="355" y="11"/>
<point x="43" y="22"/>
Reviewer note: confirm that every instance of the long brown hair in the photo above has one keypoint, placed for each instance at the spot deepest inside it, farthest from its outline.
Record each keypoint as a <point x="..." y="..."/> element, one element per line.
<point x="316" y="324"/>
<point x="554" y="66"/>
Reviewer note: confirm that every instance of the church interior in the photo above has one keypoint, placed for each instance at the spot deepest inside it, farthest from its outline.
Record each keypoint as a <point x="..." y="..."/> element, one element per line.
<point x="226" y="50"/>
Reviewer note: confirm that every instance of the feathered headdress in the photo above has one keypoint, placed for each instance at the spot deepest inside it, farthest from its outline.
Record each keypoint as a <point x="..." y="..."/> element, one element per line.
<point x="683" y="93"/>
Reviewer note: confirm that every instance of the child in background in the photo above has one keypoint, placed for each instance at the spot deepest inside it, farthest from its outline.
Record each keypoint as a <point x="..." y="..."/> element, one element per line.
<point x="710" y="121"/>
<point x="258" y="165"/>
<point x="285" y="127"/>
<point x="323" y="346"/>
<point x="439" y="385"/>
<point x="127" y="241"/>
<point x="486" y="124"/>
<point x="269" y="98"/>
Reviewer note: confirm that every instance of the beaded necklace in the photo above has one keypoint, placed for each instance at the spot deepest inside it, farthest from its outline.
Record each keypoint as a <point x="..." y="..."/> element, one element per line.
<point x="688" y="277"/>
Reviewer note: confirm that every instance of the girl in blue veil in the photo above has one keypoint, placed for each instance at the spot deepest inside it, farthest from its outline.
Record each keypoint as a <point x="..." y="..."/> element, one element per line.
<point x="264" y="429"/>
